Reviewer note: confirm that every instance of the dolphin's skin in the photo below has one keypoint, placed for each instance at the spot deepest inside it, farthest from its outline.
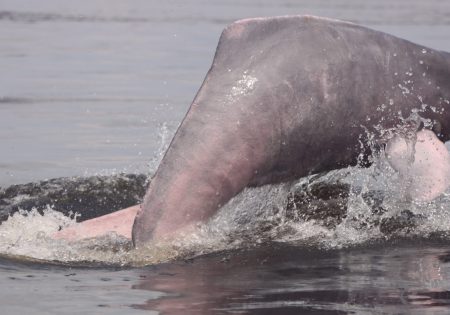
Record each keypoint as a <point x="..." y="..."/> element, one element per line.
<point x="286" y="97"/>
<point x="428" y="173"/>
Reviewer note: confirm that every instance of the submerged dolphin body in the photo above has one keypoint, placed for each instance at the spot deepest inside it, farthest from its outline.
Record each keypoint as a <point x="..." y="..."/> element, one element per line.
<point x="286" y="97"/>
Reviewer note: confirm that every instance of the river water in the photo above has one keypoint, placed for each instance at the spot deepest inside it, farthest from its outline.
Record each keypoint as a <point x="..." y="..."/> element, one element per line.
<point x="91" y="88"/>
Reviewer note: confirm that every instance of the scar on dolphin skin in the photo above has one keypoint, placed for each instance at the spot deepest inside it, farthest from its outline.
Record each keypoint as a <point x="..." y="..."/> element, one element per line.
<point x="311" y="91"/>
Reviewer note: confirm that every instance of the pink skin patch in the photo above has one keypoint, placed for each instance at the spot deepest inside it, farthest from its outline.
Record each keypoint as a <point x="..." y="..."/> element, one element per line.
<point x="430" y="170"/>
<point x="120" y="222"/>
<point x="235" y="30"/>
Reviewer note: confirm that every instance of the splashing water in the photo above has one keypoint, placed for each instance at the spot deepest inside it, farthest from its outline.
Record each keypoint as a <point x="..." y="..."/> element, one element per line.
<point x="165" y="134"/>
<point x="29" y="236"/>
<point x="342" y="208"/>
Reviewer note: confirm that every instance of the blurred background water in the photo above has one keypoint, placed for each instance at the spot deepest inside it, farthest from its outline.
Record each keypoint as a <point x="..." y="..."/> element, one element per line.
<point x="86" y="85"/>
<point x="89" y="87"/>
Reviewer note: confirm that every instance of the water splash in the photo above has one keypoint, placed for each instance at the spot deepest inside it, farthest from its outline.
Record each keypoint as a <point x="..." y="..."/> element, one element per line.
<point x="243" y="86"/>
<point x="256" y="216"/>
<point x="165" y="134"/>
<point x="29" y="235"/>
<point x="341" y="208"/>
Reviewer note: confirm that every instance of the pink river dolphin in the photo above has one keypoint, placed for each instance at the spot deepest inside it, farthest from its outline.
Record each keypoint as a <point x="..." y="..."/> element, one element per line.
<point x="286" y="97"/>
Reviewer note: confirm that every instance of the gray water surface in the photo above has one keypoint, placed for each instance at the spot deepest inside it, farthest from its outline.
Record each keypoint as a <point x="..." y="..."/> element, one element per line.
<point x="86" y="85"/>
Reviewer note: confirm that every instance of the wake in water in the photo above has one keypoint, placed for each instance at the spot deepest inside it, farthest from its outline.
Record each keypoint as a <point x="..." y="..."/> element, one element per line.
<point x="347" y="207"/>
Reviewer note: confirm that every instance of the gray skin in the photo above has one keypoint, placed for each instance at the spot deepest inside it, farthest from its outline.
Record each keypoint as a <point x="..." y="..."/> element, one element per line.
<point x="286" y="97"/>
